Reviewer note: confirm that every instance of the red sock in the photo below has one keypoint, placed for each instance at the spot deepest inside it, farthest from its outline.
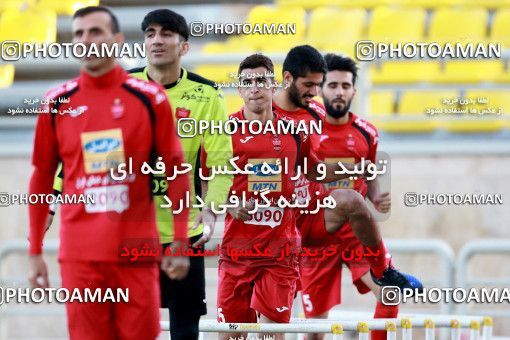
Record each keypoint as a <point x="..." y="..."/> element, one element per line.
<point x="378" y="263"/>
<point x="383" y="312"/>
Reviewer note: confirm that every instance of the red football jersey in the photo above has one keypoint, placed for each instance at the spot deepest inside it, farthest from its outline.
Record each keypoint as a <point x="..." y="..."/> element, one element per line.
<point x="314" y="112"/>
<point x="271" y="228"/>
<point x="348" y="143"/>
<point x="305" y="190"/>
<point x="103" y="122"/>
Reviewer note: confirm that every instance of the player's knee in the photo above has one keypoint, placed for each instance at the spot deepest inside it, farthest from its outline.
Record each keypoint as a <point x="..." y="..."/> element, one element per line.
<point x="349" y="202"/>
<point x="315" y="336"/>
<point x="229" y="336"/>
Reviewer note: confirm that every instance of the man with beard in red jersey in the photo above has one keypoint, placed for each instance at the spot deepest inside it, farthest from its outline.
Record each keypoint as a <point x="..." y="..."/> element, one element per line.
<point x="304" y="69"/>
<point x="261" y="280"/>
<point x="349" y="138"/>
<point x="253" y="276"/>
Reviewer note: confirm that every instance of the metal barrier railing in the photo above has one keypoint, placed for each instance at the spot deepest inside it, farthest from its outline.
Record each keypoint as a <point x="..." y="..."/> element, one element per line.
<point x="430" y="246"/>
<point x="468" y="251"/>
<point x="337" y="327"/>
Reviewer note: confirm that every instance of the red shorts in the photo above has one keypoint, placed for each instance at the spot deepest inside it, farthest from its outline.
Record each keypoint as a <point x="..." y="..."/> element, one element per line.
<point x="248" y="286"/>
<point x="321" y="279"/>
<point x="136" y="319"/>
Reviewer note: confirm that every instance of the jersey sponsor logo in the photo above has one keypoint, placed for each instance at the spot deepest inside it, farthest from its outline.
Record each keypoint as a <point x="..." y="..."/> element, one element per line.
<point x="257" y="168"/>
<point x="89" y="181"/>
<point x="259" y="186"/>
<point x="181" y="112"/>
<point x="102" y="150"/>
<point x="301" y="181"/>
<point x="102" y="145"/>
<point x="260" y="180"/>
<point x="301" y="190"/>
<point x="245" y="140"/>
<point x="108" y="198"/>
<point x="194" y="96"/>
<point x="302" y="193"/>
<point x="343" y="183"/>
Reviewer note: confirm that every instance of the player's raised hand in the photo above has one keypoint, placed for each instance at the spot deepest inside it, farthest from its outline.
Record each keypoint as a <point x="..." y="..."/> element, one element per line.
<point x="208" y="218"/>
<point x="241" y="213"/>
<point x="38" y="272"/>
<point x="382" y="202"/>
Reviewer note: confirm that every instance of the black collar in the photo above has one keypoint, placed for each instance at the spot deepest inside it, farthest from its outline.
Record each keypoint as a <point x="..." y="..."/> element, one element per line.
<point x="169" y="86"/>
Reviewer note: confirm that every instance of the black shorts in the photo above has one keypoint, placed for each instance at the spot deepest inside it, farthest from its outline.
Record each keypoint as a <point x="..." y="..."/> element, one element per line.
<point x="186" y="296"/>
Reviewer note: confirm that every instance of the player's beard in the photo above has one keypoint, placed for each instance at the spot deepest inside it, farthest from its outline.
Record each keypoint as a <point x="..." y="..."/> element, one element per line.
<point x="336" y="113"/>
<point x="294" y="96"/>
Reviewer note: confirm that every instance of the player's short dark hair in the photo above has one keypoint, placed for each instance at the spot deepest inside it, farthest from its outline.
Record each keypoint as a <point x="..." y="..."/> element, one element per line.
<point x="336" y="62"/>
<point x="256" y="60"/>
<point x="304" y="59"/>
<point x="92" y="9"/>
<point x="169" y="20"/>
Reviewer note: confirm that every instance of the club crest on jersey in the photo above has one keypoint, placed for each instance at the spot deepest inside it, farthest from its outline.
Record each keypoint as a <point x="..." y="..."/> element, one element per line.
<point x="277" y="143"/>
<point x="117" y="109"/>
<point x="181" y="112"/>
<point x="350" y="142"/>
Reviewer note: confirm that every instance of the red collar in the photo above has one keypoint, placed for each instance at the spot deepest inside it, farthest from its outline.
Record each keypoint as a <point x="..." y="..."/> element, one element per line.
<point x="110" y="79"/>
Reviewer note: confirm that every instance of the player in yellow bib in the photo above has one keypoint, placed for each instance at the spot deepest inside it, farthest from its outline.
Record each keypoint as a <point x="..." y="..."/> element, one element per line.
<point x="192" y="97"/>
